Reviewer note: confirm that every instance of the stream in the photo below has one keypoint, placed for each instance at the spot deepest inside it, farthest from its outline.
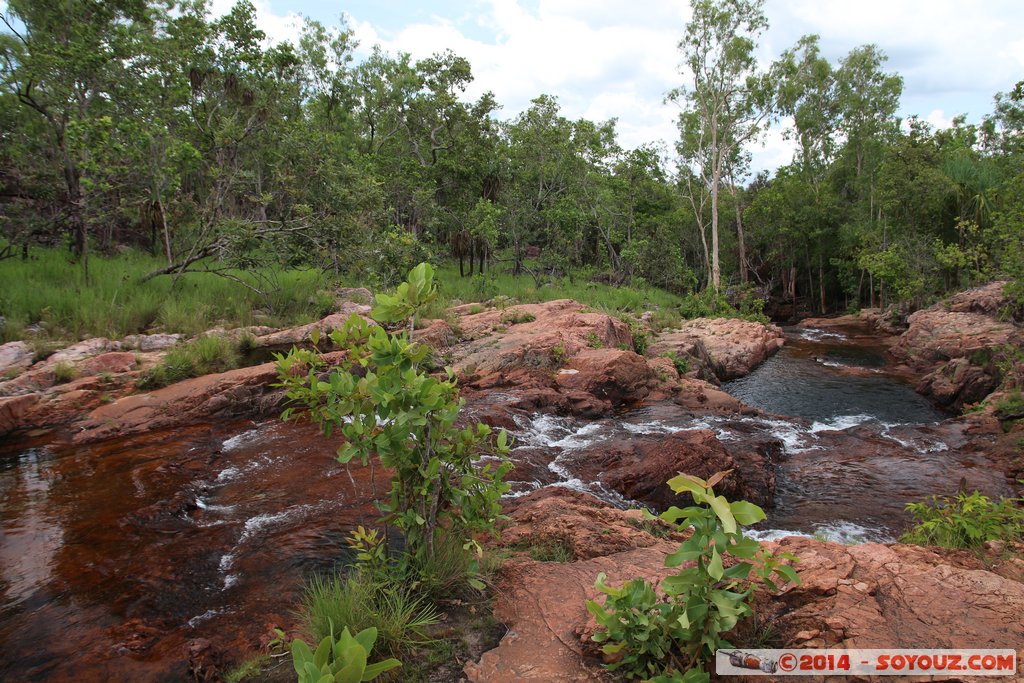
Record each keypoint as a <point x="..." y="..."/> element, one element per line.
<point x="115" y="558"/>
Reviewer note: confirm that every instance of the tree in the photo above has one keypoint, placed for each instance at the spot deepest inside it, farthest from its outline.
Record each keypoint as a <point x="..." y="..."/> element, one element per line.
<point x="729" y="100"/>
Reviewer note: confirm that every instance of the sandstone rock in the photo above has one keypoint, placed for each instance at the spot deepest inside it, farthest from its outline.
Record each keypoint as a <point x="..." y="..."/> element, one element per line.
<point x="236" y="392"/>
<point x="301" y="334"/>
<point x="356" y="295"/>
<point x="936" y="335"/>
<point x="114" y="362"/>
<point x="613" y="375"/>
<point x="150" y="342"/>
<point x="638" y="469"/>
<point x="732" y="347"/>
<point x="437" y="334"/>
<point x="13" y="410"/>
<point x="546" y="336"/>
<point x="988" y="299"/>
<point x="696" y="394"/>
<point x="958" y="383"/>
<point x="82" y="350"/>
<point x="578" y="521"/>
<point x="14" y="357"/>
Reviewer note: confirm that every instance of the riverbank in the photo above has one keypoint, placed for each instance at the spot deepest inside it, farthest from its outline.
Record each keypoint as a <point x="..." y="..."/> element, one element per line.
<point x="241" y="511"/>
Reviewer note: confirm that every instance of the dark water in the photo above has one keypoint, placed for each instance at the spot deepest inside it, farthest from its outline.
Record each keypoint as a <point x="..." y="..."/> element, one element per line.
<point x="825" y="377"/>
<point x="115" y="557"/>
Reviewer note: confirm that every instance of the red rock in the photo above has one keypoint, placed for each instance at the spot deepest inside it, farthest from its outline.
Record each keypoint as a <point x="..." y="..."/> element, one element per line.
<point x="731" y="346"/>
<point x="613" y="375"/>
<point x="82" y="350"/>
<point x="13" y="410"/>
<point x="114" y="363"/>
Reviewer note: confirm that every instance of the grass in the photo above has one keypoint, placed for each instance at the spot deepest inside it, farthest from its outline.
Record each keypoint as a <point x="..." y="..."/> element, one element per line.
<point x="201" y="356"/>
<point x="50" y="294"/>
<point x="64" y="372"/>
<point x="361" y="600"/>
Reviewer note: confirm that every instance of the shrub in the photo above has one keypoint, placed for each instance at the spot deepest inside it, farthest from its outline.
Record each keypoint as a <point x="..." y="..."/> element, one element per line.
<point x="201" y="356"/>
<point x="672" y="639"/>
<point x="682" y="363"/>
<point x="966" y="521"/>
<point x="387" y="406"/>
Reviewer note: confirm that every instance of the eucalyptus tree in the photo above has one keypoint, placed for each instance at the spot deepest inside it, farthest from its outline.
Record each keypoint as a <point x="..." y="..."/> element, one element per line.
<point x="728" y="102"/>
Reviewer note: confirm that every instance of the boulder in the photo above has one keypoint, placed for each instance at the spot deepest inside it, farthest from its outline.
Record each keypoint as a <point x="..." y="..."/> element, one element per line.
<point x="731" y="347"/>
<point x="13" y="410"/>
<point x="301" y="334"/>
<point x="638" y="469"/>
<point x="936" y="335"/>
<point x="15" y="356"/>
<point x="987" y="299"/>
<point x="612" y="375"/>
<point x="150" y="342"/>
<point x="82" y="350"/>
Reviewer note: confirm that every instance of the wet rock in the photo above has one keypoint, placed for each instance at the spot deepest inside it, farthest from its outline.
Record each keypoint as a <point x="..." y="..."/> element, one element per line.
<point x="14" y="357"/>
<point x="731" y="347"/>
<point x="696" y="394"/>
<point x="638" y="469"/>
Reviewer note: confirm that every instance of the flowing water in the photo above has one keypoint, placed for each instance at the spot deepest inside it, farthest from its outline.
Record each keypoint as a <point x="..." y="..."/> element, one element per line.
<point x="118" y="558"/>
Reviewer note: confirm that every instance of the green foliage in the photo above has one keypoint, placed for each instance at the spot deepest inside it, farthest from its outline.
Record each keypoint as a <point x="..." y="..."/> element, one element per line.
<point x="682" y="363"/>
<point x="364" y="600"/>
<point x="673" y="639"/>
<point x="341" y="660"/>
<point x="64" y="372"/>
<point x="516" y="316"/>
<point x="665" y="319"/>
<point x="1011" y="406"/>
<point x="389" y="410"/>
<point x="594" y="341"/>
<point x="966" y="521"/>
<point x="409" y="299"/>
<point x="639" y="333"/>
<point x="201" y="356"/>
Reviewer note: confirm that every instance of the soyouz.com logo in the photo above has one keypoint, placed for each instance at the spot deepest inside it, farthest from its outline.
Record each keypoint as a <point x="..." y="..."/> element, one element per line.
<point x="889" y="662"/>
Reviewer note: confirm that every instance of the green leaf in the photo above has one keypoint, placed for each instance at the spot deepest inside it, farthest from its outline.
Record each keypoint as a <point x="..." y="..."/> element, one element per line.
<point x="688" y="482"/>
<point x="746" y="512"/>
<point x="721" y="507"/>
<point x="715" y="569"/>
<point x="374" y="670"/>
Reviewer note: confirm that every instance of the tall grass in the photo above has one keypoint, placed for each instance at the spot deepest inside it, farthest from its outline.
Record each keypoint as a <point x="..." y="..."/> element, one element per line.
<point x="50" y="292"/>
<point x="524" y="289"/>
<point x="364" y="599"/>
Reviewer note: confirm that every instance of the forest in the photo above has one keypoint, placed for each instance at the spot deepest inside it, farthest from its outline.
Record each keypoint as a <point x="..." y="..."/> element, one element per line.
<point x="156" y="126"/>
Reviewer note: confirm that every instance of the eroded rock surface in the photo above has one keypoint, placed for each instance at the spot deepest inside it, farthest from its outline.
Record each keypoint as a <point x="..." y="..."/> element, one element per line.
<point x="731" y="346"/>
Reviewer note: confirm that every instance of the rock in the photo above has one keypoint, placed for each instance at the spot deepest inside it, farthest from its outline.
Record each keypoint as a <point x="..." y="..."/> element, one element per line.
<point x="696" y="394"/>
<point x="437" y="334"/>
<point x="730" y="346"/>
<point x="544" y="605"/>
<point x="958" y="383"/>
<point x="890" y="596"/>
<point x="578" y="521"/>
<point x="115" y="362"/>
<point x="150" y="342"/>
<point x="533" y="336"/>
<point x="244" y="391"/>
<point x="612" y="375"/>
<point x="988" y="299"/>
<point x="884" y="321"/>
<point x="15" y="356"/>
<point x="13" y="410"/>
<point x="936" y="336"/>
<point x="301" y="334"/>
<point x="638" y="469"/>
<point x="83" y="350"/>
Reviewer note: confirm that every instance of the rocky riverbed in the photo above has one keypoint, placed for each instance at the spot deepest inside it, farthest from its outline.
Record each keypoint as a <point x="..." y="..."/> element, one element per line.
<point x="154" y="535"/>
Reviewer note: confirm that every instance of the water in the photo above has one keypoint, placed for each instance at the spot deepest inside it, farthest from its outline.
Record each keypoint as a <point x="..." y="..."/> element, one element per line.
<point x="114" y="556"/>
<point x="830" y="378"/>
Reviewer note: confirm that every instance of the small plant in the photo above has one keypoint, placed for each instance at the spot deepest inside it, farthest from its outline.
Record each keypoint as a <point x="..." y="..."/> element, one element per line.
<point x="681" y="363"/>
<point x="558" y="354"/>
<point x="552" y="551"/>
<point x="665" y="319"/>
<point x="516" y="316"/>
<point x="673" y="639"/>
<point x="1011" y="406"/>
<point x="966" y="521"/>
<point x="641" y="338"/>
<point x="246" y="343"/>
<point x="593" y="341"/>
<point x="64" y="372"/>
<point x="341" y="660"/>
<point x="201" y="356"/>
<point x="475" y="308"/>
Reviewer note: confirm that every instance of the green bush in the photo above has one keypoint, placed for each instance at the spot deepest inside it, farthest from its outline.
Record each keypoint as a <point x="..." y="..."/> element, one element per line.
<point x="390" y="410"/>
<point x="682" y="363"/>
<point x="64" y="372"/>
<point x="966" y="521"/>
<point x="673" y="639"/>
